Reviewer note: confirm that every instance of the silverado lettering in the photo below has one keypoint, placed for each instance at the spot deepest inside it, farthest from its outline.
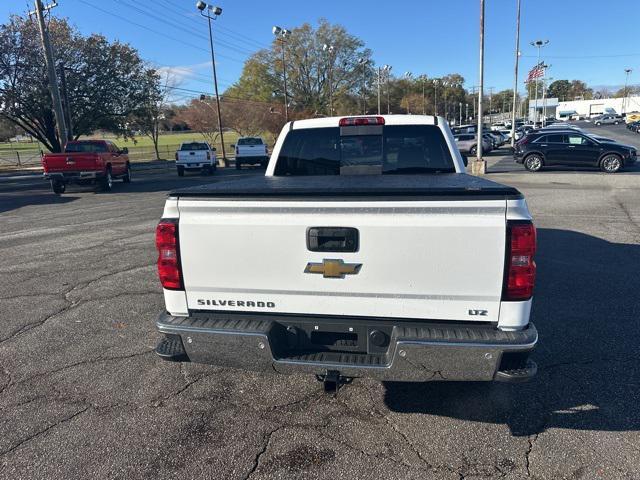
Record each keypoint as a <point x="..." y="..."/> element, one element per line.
<point x="236" y="303"/>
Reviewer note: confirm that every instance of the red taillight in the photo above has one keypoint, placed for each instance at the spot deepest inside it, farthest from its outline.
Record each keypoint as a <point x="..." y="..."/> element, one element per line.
<point x="168" y="254"/>
<point x="353" y="121"/>
<point x="520" y="267"/>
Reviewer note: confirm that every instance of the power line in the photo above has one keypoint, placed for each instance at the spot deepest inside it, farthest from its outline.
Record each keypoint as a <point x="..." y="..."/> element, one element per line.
<point x="124" y="19"/>
<point x="183" y="29"/>
<point x="586" y="56"/>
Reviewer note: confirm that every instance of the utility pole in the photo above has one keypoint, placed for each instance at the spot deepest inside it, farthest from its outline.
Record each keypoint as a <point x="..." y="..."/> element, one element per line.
<point x="544" y="94"/>
<point x="515" y="76"/>
<point x="283" y="33"/>
<point x="363" y="62"/>
<point x="51" y="71"/>
<point x="330" y="49"/>
<point x="379" y="74"/>
<point x="466" y="112"/>
<point x="460" y="119"/>
<point x="435" y="96"/>
<point x="479" y="167"/>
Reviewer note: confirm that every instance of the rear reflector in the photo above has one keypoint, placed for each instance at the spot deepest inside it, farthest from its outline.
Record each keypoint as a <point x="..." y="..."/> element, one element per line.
<point x="353" y="121"/>
<point x="520" y="274"/>
<point x="168" y="254"/>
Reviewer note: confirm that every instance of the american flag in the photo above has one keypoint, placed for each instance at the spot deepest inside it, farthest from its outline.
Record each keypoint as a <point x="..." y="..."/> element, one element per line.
<point x="536" y="72"/>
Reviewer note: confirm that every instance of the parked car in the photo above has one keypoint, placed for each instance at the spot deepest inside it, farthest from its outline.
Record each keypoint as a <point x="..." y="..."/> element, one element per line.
<point x="96" y="162"/>
<point x="606" y="120"/>
<point x="493" y="141"/>
<point x="468" y="143"/>
<point x="633" y="126"/>
<point x="196" y="156"/>
<point x="343" y="285"/>
<point x="570" y="148"/>
<point x="251" y="151"/>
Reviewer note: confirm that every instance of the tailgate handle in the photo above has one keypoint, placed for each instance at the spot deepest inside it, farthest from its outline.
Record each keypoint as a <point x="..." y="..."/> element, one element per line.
<point x="332" y="239"/>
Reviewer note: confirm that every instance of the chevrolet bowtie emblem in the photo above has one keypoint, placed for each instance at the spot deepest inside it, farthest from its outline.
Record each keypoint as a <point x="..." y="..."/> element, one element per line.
<point x="333" y="268"/>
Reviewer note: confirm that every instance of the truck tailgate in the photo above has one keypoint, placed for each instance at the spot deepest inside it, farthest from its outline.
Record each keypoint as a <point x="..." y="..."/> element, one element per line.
<point x="62" y="162"/>
<point x="192" y="156"/>
<point x="439" y="259"/>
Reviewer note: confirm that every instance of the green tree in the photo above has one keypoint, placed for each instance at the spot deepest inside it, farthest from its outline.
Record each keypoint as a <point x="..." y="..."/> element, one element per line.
<point x="560" y="89"/>
<point x="106" y="82"/>
<point x="310" y="68"/>
<point x="580" y="90"/>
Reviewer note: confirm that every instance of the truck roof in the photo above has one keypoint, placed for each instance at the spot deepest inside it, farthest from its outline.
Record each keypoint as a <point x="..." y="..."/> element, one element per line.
<point x="344" y="187"/>
<point x="325" y="122"/>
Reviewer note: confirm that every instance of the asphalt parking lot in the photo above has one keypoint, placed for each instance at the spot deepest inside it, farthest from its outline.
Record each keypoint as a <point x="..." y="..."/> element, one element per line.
<point x="82" y="395"/>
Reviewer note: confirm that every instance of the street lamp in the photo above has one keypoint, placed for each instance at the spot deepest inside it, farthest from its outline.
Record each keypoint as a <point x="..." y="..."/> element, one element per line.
<point x="330" y="49"/>
<point x="384" y="70"/>
<point x="408" y="76"/>
<point x="363" y="63"/>
<point x="627" y="71"/>
<point x="388" y="69"/>
<point x="283" y="34"/>
<point x="423" y="79"/>
<point x="212" y="13"/>
<point x="537" y="44"/>
<point x="435" y="95"/>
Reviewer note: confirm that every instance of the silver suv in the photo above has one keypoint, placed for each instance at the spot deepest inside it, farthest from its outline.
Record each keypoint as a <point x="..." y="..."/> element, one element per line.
<point x="468" y="143"/>
<point x="606" y="120"/>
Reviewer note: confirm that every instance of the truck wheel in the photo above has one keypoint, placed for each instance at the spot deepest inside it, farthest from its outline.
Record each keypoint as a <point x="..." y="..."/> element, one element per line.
<point x="107" y="181"/>
<point x="616" y="122"/>
<point x="58" y="187"/>
<point x="598" y="124"/>
<point x="533" y="162"/>
<point x="127" y="176"/>
<point x="611" y="163"/>
<point x="473" y="150"/>
<point x="238" y="164"/>
<point x="181" y="171"/>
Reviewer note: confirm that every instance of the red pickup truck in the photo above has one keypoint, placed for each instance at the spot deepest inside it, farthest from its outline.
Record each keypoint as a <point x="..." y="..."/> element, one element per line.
<point x="96" y="162"/>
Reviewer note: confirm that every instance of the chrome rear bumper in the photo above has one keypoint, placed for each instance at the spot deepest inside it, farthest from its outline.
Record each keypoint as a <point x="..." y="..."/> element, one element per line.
<point x="413" y="351"/>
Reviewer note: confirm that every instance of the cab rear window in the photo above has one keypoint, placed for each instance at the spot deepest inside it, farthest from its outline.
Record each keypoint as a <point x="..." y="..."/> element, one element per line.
<point x="366" y="150"/>
<point x="194" y="146"/>
<point x="86" y="147"/>
<point x="249" y="141"/>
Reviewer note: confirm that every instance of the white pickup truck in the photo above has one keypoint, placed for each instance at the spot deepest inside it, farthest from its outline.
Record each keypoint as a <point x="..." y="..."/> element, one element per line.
<point x="365" y="250"/>
<point x="196" y="156"/>
<point x="251" y="151"/>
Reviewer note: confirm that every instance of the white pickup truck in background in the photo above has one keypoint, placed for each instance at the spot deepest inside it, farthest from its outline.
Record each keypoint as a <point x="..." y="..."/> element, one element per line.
<point x="196" y="156"/>
<point x="378" y="256"/>
<point x="251" y="151"/>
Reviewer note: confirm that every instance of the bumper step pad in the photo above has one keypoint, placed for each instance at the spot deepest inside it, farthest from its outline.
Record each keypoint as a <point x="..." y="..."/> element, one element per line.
<point x="170" y="348"/>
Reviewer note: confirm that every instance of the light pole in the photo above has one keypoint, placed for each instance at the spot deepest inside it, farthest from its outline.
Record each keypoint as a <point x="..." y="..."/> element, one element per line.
<point x="283" y="34"/>
<point x="515" y="76"/>
<point x="491" y="105"/>
<point x="538" y="44"/>
<point x="445" y="84"/>
<point x="627" y="71"/>
<point x="363" y="63"/>
<point x="381" y="70"/>
<point x="408" y="76"/>
<point x="212" y="13"/>
<point x="460" y="119"/>
<point x="388" y="89"/>
<point x="435" y="96"/>
<point x="544" y="94"/>
<point x="423" y="79"/>
<point x="466" y="112"/>
<point x="330" y="49"/>
<point x="479" y="167"/>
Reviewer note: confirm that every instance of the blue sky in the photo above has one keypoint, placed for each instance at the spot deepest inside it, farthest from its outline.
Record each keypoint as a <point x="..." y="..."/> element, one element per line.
<point x="590" y="40"/>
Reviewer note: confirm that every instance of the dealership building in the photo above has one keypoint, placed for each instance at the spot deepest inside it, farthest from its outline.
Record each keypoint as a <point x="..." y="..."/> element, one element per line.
<point x="582" y="108"/>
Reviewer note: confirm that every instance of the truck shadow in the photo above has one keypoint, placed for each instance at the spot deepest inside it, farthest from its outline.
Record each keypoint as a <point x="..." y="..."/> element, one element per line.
<point x="586" y="309"/>
<point x="12" y="201"/>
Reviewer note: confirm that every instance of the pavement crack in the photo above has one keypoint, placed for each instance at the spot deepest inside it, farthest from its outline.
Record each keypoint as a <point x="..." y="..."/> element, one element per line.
<point x="45" y="430"/>
<point x="266" y="442"/>
<point x="531" y="441"/>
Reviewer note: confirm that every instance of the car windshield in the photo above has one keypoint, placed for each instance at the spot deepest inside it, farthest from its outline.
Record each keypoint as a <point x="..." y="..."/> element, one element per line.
<point x="194" y="146"/>
<point x="86" y="147"/>
<point x="368" y="150"/>
<point x="250" y="141"/>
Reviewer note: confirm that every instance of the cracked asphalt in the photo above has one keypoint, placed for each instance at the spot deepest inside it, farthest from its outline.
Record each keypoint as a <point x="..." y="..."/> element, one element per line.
<point x="83" y="396"/>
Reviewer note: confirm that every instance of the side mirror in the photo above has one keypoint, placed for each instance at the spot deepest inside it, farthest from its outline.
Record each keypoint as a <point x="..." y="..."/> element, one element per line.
<point x="124" y="150"/>
<point x="465" y="160"/>
<point x="233" y="145"/>
<point x="213" y="149"/>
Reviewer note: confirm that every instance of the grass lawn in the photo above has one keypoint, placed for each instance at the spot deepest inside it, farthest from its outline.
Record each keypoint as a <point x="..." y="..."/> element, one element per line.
<point x="140" y="147"/>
